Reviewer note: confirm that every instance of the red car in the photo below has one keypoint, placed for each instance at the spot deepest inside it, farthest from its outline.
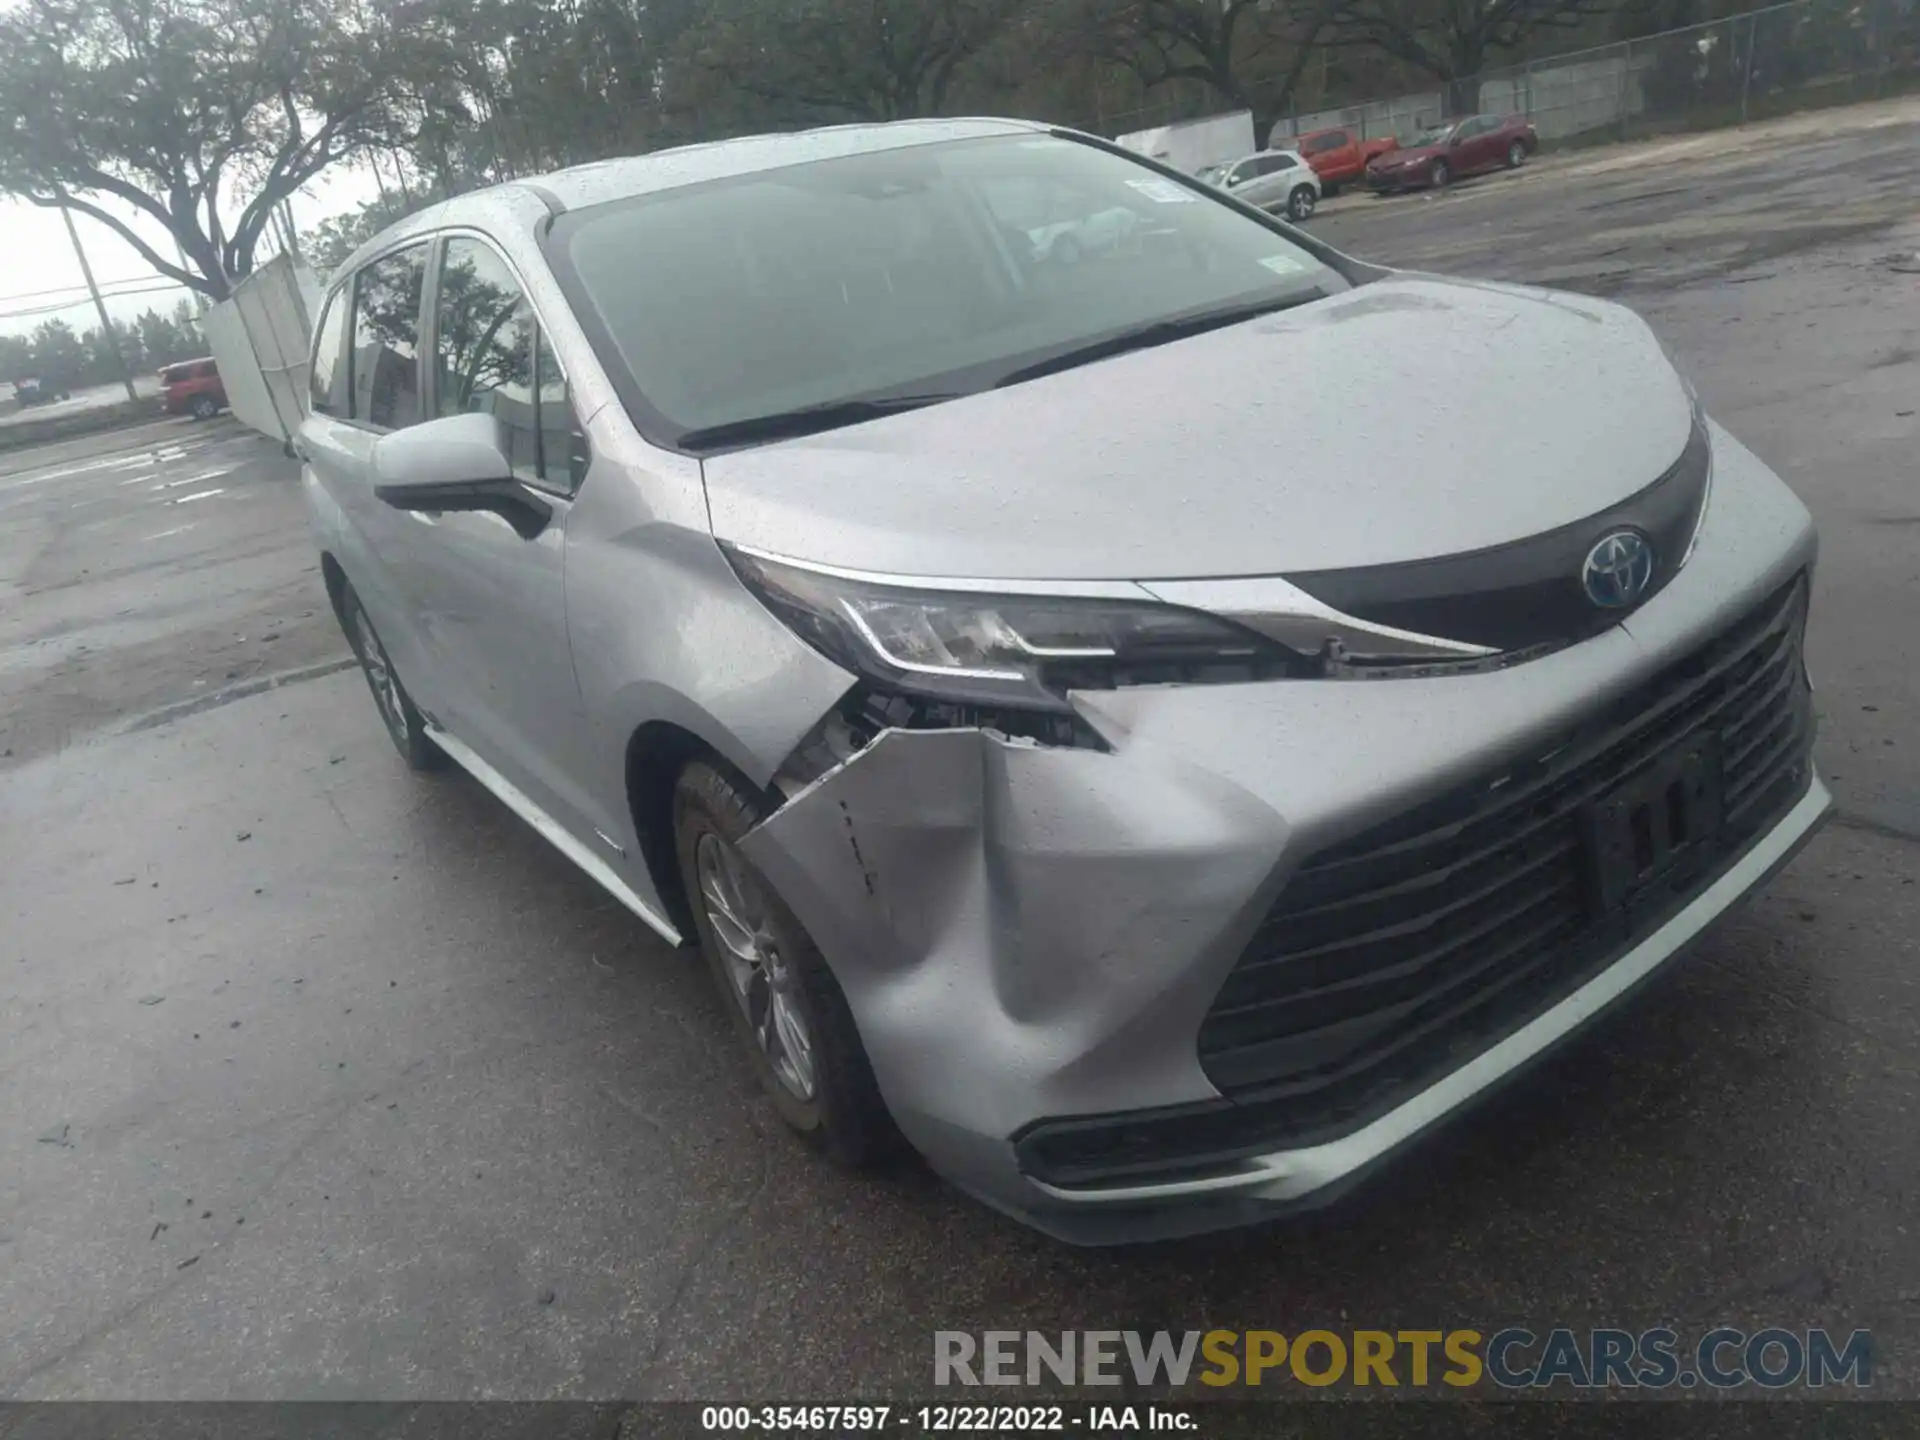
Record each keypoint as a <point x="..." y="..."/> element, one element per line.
<point x="1451" y="149"/>
<point x="193" y="388"/>
<point x="1339" y="156"/>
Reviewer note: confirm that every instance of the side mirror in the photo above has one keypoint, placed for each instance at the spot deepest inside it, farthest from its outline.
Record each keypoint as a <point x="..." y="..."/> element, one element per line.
<point x="455" y="463"/>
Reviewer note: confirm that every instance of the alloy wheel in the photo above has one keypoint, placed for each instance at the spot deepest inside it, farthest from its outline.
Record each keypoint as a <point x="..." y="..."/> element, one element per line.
<point x="765" y="986"/>
<point x="380" y="677"/>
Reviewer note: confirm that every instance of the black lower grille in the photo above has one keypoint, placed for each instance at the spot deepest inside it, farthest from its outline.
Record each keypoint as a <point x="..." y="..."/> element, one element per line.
<point x="1395" y="956"/>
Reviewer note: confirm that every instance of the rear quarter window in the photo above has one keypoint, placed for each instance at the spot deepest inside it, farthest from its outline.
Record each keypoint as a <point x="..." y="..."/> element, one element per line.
<point x="322" y="387"/>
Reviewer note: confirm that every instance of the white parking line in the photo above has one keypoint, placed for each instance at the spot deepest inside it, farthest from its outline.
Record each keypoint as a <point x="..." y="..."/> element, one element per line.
<point x="199" y="479"/>
<point x="176" y="530"/>
<point x="203" y="495"/>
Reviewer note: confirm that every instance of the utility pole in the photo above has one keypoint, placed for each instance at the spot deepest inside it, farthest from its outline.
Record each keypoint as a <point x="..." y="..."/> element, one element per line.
<point x="293" y="235"/>
<point x="106" y="323"/>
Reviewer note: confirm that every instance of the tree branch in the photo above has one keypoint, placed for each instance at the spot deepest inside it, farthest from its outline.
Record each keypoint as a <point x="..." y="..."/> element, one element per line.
<point x="166" y="267"/>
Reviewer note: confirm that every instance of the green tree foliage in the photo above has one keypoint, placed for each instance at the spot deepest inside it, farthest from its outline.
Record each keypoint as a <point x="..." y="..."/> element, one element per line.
<point x="56" y="352"/>
<point x="335" y="238"/>
<point x="203" y="115"/>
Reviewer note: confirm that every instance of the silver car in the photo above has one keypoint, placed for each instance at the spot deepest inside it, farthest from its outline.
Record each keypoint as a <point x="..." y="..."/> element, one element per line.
<point x="1273" y="180"/>
<point x="1153" y="826"/>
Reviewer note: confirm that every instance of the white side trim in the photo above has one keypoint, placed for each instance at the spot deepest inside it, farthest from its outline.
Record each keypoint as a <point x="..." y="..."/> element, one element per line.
<point x="1290" y="1174"/>
<point x="551" y="830"/>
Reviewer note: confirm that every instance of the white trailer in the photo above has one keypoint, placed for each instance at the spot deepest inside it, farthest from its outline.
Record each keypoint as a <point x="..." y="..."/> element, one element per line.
<point x="259" y="337"/>
<point x="1192" y="145"/>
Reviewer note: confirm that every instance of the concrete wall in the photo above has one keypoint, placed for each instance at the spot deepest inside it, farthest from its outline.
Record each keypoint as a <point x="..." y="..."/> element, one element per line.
<point x="1561" y="98"/>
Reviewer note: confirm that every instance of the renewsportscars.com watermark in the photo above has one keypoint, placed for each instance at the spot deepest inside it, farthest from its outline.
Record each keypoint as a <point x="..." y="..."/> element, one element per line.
<point x="1722" y="1358"/>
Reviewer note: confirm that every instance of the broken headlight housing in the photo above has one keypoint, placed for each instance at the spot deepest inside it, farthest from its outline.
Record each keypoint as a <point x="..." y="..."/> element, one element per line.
<point x="1019" y="651"/>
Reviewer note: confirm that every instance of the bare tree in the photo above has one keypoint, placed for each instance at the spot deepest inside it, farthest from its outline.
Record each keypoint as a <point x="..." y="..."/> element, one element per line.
<point x="855" y="59"/>
<point x="1251" y="53"/>
<point x="1452" y="40"/>
<point x="203" y="115"/>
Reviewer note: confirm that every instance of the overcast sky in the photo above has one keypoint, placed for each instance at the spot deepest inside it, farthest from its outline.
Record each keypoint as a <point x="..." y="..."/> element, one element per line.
<point x="36" y="258"/>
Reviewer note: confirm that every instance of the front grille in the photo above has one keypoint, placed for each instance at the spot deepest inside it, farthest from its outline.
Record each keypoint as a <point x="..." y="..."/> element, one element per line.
<point x="1394" y="957"/>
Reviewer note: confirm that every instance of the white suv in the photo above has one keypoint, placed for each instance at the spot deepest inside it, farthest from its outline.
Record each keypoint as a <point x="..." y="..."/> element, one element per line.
<point x="1273" y="180"/>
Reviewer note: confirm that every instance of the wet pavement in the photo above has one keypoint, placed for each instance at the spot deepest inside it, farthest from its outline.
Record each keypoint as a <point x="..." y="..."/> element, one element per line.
<point x="322" y="1080"/>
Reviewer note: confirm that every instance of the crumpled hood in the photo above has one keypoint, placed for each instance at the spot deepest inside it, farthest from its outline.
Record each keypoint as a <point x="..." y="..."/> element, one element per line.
<point x="1408" y="418"/>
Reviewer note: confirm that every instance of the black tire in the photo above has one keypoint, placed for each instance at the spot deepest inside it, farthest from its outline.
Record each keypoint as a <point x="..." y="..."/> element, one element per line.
<point x="842" y="1114"/>
<point x="204" y="408"/>
<point x="1300" y="203"/>
<point x="1327" y="191"/>
<point x="1516" y="155"/>
<point x="396" y="709"/>
<point x="1440" y="175"/>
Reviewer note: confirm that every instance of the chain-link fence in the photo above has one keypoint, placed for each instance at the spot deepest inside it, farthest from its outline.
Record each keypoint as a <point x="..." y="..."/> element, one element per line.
<point x="1748" y="66"/>
<point x="1170" y="103"/>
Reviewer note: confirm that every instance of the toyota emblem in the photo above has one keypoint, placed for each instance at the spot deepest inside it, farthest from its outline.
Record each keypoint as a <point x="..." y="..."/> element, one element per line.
<point x="1619" y="569"/>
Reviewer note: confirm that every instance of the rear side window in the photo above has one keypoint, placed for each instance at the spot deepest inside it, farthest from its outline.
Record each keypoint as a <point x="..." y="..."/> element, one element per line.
<point x="326" y="356"/>
<point x="386" y="339"/>
<point x="1333" y="140"/>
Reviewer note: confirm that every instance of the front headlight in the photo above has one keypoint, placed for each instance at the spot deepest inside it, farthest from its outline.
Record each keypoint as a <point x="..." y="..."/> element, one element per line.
<point x="1024" y="651"/>
<point x="1697" y="460"/>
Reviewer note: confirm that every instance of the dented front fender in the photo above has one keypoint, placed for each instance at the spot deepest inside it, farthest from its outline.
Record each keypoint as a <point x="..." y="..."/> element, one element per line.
<point x="1024" y="931"/>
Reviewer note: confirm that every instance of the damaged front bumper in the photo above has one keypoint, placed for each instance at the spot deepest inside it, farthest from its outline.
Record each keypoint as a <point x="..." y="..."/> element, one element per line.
<point x="1055" y="953"/>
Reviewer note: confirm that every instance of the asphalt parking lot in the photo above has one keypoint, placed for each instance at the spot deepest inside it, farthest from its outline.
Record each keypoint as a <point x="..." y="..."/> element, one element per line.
<point x="325" y="1081"/>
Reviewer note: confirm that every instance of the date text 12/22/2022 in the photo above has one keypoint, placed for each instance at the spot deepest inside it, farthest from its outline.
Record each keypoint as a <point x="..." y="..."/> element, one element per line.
<point x="944" y="1419"/>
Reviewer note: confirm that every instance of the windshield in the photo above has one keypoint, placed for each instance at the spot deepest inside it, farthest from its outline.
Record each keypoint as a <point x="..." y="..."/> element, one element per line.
<point x="933" y="270"/>
<point x="1436" y="135"/>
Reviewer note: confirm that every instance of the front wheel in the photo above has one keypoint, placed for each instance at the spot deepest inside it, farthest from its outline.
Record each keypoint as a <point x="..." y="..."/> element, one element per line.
<point x="1516" y="155"/>
<point x="204" y="408"/>
<point x="1300" y="203"/>
<point x="786" y="1006"/>
<point x="1439" y="175"/>
<point x="405" y="727"/>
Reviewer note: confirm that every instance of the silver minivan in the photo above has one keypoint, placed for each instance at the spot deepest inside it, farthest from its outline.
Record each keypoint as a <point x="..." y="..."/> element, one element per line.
<point x="1084" y="750"/>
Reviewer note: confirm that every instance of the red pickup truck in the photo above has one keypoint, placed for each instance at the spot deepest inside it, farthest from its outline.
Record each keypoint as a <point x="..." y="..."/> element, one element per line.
<point x="1340" y="155"/>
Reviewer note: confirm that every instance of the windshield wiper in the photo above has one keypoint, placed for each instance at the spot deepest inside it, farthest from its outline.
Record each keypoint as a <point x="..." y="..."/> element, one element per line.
<point x="1157" y="332"/>
<point x="807" y="420"/>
